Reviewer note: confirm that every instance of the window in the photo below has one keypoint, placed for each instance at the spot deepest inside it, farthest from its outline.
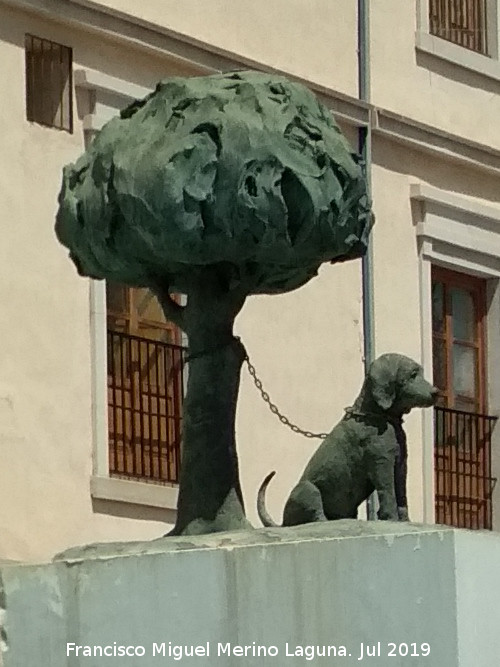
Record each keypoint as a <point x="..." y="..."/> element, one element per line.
<point x="462" y="429"/>
<point x="458" y="305"/>
<point x="48" y="83"/>
<point x="458" y="456"/>
<point x="145" y="387"/>
<point x="462" y="22"/>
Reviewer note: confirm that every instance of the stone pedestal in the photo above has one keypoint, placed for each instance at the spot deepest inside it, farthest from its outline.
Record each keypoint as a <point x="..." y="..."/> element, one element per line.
<point x="285" y="594"/>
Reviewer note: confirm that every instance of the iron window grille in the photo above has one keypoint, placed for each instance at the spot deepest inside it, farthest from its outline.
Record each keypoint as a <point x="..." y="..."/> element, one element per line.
<point x="462" y="22"/>
<point x="463" y="470"/>
<point x="49" y="84"/>
<point x="145" y="396"/>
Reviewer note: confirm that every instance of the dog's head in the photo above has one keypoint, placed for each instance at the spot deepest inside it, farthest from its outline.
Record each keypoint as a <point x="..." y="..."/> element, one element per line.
<point x="397" y="384"/>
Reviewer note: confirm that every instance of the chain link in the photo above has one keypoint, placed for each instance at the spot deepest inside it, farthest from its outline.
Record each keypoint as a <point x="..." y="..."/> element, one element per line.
<point x="274" y="409"/>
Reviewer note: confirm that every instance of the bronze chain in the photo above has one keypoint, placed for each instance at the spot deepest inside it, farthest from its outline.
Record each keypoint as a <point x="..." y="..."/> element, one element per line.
<point x="274" y="409"/>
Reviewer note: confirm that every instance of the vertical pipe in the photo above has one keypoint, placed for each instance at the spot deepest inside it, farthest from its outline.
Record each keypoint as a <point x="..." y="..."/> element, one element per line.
<point x="365" y="149"/>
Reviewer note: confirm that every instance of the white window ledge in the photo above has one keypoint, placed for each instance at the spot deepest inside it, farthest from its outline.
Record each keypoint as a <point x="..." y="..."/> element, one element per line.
<point x="135" y="493"/>
<point x="104" y="83"/>
<point x="458" y="55"/>
<point x="458" y="232"/>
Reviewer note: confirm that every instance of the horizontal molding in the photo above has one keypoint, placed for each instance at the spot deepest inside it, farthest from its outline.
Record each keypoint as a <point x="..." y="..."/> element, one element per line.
<point x="99" y="82"/>
<point x="343" y="108"/>
<point x="457" y="232"/>
<point x="429" y="139"/>
<point x="135" y="493"/>
<point x="384" y="123"/>
<point x="432" y="195"/>
<point x="211" y="59"/>
<point x="457" y="55"/>
<point x="205" y="58"/>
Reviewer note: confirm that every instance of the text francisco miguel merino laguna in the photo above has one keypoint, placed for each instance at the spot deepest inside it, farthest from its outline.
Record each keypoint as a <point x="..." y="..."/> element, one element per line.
<point x="226" y="649"/>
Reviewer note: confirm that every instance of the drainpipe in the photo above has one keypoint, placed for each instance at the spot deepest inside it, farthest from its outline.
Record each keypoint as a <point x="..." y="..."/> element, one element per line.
<point x="365" y="149"/>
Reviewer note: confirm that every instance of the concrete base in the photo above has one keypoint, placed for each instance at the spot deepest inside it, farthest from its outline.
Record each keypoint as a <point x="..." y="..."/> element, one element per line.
<point x="362" y="588"/>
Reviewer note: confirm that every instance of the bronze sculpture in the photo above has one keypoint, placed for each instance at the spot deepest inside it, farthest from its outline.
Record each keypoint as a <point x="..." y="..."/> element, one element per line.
<point x="217" y="188"/>
<point x="365" y="452"/>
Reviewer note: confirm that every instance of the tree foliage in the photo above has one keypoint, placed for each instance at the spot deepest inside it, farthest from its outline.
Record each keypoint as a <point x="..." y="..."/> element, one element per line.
<point x="246" y="172"/>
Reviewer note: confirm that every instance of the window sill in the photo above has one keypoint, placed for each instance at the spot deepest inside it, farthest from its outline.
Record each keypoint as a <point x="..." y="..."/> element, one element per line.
<point x="136" y="493"/>
<point x="458" y="55"/>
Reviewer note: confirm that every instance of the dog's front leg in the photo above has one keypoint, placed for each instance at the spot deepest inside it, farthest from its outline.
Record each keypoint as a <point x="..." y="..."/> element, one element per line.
<point x="388" y="510"/>
<point x="403" y="514"/>
<point x="400" y="474"/>
<point x="382" y="478"/>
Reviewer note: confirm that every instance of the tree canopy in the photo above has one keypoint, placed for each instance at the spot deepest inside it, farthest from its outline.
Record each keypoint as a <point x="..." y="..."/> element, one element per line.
<point x="244" y="171"/>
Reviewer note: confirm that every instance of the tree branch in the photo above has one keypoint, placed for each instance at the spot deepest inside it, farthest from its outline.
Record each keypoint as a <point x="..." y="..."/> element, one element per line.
<point x="173" y="311"/>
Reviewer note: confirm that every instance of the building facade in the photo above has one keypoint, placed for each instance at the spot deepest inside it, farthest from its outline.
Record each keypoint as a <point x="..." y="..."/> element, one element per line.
<point x="92" y="376"/>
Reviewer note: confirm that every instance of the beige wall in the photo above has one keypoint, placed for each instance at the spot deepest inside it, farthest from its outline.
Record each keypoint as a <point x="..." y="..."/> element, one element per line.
<point x="317" y="40"/>
<point x="307" y="349"/>
<point x="45" y="385"/>
<point x="313" y="39"/>
<point x="306" y="346"/>
<point x="396" y="296"/>
<point x="398" y="316"/>
<point x="426" y="88"/>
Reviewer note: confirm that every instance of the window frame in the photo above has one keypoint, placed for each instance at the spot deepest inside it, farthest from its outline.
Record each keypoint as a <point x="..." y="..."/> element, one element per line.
<point x="104" y="487"/>
<point x="461" y="234"/>
<point x="32" y="93"/>
<point x="107" y="492"/>
<point x="485" y="45"/>
<point x="484" y="65"/>
<point x="136" y="390"/>
<point x="477" y="288"/>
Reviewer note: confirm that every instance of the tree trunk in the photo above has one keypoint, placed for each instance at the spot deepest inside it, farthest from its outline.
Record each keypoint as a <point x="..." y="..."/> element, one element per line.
<point x="210" y="498"/>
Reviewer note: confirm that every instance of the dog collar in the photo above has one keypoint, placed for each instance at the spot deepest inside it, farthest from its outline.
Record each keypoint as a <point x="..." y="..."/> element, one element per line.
<point x="395" y="421"/>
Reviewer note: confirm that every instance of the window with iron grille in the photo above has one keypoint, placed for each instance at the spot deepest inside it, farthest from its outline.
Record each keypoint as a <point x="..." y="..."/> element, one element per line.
<point x="49" y="83"/>
<point x="462" y="22"/>
<point x="463" y="432"/>
<point x="145" y="387"/>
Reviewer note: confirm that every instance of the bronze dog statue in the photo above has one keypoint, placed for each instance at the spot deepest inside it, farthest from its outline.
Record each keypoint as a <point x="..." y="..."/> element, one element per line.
<point x="365" y="452"/>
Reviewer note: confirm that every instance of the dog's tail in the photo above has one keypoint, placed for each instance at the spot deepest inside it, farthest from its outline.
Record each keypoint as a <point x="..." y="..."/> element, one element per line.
<point x="264" y="515"/>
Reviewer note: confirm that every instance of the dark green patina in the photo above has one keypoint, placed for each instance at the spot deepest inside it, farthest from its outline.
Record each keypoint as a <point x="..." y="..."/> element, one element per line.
<point x="215" y="187"/>
<point x="365" y="452"/>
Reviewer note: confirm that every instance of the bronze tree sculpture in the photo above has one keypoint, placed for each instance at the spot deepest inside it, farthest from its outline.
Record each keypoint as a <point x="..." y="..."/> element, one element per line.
<point x="215" y="187"/>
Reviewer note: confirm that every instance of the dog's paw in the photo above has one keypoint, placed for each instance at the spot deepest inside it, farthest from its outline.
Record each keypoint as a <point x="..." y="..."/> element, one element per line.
<point x="403" y="514"/>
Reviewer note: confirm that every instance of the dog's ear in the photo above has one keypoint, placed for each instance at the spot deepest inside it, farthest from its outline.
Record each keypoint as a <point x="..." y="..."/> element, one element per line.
<point x="383" y="374"/>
